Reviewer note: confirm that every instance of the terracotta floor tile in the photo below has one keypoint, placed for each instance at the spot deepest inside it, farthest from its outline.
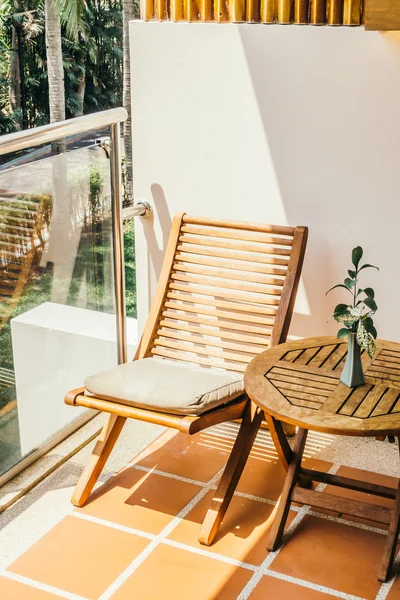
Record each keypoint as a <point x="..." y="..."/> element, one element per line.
<point x="197" y="456"/>
<point x="264" y="475"/>
<point x="394" y="593"/>
<point x="276" y="589"/>
<point x="181" y="575"/>
<point x="13" y="590"/>
<point x="80" y="557"/>
<point x="140" y="500"/>
<point x="335" y="555"/>
<point x="366" y="476"/>
<point x="243" y="534"/>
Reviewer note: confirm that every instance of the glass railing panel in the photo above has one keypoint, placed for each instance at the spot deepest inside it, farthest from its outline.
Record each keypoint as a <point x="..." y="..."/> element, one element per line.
<point x="57" y="321"/>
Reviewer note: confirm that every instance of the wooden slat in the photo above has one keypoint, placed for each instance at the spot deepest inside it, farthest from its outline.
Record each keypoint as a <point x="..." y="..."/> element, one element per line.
<point x="236" y="245"/>
<point x="301" y="384"/>
<point x="232" y="255"/>
<point x="336" y="357"/>
<point x="292" y="390"/>
<point x="256" y="291"/>
<point x="306" y="356"/>
<point x="334" y="12"/>
<point x="301" y="12"/>
<point x="206" y="10"/>
<point x="370" y="402"/>
<point x="240" y="225"/>
<point x="230" y="279"/>
<point x="285" y="11"/>
<point x="229" y="365"/>
<point x="318" y="12"/>
<point x="392" y="353"/>
<point x="268" y="11"/>
<point x="351" y="12"/>
<point x="161" y="10"/>
<point x="177" y="12"/>
<point x="386" y="402"/>
<point x="304" y="403"/>
<point x="355" y="400"/>
<point x="221" y="293"/>
<point x="219" y="322"/>
<point x="197" y="349"/>
<point x="191" y="10"/>
<point x="363" y="510"/>
<point x="236" y="10"/>
<point x="239" y="347"/>
<point x="220" y="11"/>
<point x="291" y="356"/>
<point x="383" y="374"/>
<point x="322" y="355"/>
<point x="230" y="305"/>
<point x="216" y="331"/>
<point x="244" y="236"/>
<point x="205" y="310"/>
<point x="252" y="11"/>
<point x="234" y="265"/>
<point x="312" y="373"/>
<point x="350" y="484"/>
<point x="388" y="359"/>
<point x="391" y="367"/>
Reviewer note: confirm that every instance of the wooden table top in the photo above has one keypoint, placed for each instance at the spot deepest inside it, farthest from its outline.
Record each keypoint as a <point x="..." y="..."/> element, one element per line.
<point x="299" y="383"/>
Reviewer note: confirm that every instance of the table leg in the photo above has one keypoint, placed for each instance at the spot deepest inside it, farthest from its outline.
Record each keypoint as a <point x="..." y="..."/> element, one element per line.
<point x="392" y="538"/>
<point x="278" y="525"/>
<point x="282" y="447"/>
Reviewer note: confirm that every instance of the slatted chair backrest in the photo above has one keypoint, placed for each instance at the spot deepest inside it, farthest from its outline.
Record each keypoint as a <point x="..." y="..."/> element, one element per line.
<point x="226" y="291"/>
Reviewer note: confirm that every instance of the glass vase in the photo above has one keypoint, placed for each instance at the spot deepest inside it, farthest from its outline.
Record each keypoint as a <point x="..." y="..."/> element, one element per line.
<point x="353" y="375"/>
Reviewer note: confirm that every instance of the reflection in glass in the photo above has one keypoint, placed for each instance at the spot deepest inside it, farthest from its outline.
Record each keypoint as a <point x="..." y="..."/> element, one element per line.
<point x="55" y="251"/>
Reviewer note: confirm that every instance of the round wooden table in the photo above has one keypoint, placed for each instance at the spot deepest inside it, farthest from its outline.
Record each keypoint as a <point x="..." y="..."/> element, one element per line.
<point x="299" y="383"/>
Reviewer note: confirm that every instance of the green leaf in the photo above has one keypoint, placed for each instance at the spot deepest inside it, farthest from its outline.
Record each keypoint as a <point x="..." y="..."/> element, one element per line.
<point x="349" y="283"/>
<point x="373" y="332"/>
<point x="352" y="274"/>
<point x="339" y="285"/>
<point x="368" y="267"/>
<point x="370" y="302"/>
<point x="356" y="256"/>
<point x="360" y="291"/>
<point x="340" y="309"/>
<point x="370" y="293"/>
<point x="343" y="332"/>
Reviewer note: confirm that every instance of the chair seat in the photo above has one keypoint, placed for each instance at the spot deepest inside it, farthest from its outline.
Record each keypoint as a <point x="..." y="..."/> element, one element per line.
<point x="166" y="386"/>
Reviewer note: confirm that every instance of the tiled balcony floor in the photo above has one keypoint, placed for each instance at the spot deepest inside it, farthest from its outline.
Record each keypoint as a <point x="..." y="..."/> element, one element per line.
<point x="137" y="536"/>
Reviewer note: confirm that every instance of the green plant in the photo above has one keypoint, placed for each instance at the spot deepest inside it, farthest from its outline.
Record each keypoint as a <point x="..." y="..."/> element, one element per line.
<point x="357" y="317"/>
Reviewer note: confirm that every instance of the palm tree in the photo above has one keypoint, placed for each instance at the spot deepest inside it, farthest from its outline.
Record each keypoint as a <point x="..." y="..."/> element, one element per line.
<point x="55" y="69"/>
<point x="129" y="13"/>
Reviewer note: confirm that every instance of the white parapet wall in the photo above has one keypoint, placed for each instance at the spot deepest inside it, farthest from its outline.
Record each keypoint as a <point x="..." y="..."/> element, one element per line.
<point x="55" y="347"/>
<point x="276" y="124"/>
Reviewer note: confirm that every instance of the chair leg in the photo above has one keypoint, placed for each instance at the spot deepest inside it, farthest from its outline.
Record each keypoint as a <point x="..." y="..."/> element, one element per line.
<point x="278" y="525"/>
<point x="241" y="449"/>
<point x="98" y="459"/>
<point x="391" y="540"/>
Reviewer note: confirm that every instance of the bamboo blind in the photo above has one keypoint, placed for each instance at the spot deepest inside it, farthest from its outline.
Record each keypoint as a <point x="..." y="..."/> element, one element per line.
<point x="299" y="12"/>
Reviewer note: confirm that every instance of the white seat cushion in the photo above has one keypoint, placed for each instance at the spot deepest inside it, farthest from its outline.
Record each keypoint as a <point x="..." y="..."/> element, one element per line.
<point x="166" y="386"/>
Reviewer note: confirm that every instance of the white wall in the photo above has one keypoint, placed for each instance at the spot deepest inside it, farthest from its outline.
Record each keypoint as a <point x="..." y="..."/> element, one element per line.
<point x="279" y="124"/>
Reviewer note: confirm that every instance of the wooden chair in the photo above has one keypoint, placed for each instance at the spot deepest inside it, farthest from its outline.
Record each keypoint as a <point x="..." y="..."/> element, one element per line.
<point x="226" y="293"/>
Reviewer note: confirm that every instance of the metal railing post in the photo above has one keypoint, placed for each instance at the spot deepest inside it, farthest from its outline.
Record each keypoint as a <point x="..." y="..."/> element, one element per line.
<point x="118" y="243"/>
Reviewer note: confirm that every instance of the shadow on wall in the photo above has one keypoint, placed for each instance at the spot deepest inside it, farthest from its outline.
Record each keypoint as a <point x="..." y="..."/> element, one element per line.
<point x="330" y="113"/>
<point x="156" y="245"/>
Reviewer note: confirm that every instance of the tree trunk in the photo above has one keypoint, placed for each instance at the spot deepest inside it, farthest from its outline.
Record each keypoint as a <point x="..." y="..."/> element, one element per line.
<point x="15" y="83"/>
<point x="128" y="15"/>
<point x="55" y="67"/>
<point x="80" y="91"/>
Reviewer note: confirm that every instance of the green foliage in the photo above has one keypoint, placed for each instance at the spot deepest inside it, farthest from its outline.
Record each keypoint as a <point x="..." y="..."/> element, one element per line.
<point x="92" y="57"/>
<point x="357" y="317"/>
